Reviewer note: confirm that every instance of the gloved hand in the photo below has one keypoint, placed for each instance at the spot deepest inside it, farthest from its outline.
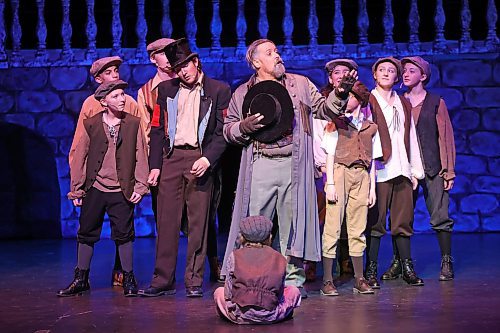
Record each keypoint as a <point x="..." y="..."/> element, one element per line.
<point x="346" y="84"/>
<point x="251" y="124"/>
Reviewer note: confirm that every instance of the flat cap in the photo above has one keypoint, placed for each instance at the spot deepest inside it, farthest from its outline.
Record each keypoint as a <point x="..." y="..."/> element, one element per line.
<point x="392" y="60"/>
<point x="158" y="45"/>
<point x="351" y="64"/>
<point x="420" y="63"/>
<point x="104" y="89"/>
<point x="256" y="228"/>
<point x="101" y="64"/>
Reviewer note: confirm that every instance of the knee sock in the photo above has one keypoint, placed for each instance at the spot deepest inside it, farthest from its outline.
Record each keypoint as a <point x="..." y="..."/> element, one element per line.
<point x="85" y="253"/>
<point x="403" y="245"/>
<point x="118" y="264"/>
<point x="126" y="256"/>
<point x="327" y="269"/>
<point x="444" y="239"/>
<point x="357" y="263"/>
<point x="374" y="247"/>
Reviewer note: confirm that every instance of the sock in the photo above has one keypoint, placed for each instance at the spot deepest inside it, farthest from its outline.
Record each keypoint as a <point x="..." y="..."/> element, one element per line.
<point x="403" y="244"/>
<point x="374" y="247"/>
<point x="357" y="263"/>
<point x="395" y="251"/>
<point x="85" y="253"/>
<point x="327" y="269"/>
<point x="126" y="256"/>
<point x="444" y="239"/>
<point x="118" y="264"/>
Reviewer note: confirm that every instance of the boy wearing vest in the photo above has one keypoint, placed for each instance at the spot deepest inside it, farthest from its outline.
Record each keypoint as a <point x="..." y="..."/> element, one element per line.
<point x="109" y="172"/>
<point x="437" y="148"/>
<point x="351" y="146"/>
<point x="255" y="291"/>
<point x="398" y="175"/>
<point x="103" y="70"/>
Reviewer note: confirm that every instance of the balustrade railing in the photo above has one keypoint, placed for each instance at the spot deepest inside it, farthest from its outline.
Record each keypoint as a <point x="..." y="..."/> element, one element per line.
<point x="13" y="55"/>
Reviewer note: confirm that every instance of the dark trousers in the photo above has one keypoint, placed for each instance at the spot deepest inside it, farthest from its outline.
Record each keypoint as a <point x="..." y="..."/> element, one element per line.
<point x="179" y="188"/>
<point x="214" y="204"/>
<point x="120" y="212"/>
<point x="395" y="195"/>
<point x="437" y="201"/>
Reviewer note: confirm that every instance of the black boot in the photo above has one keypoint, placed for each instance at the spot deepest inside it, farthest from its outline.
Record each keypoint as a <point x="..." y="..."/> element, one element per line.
<point x="129" y="284"/>
<point x="446" y="268"/>
<point x="371" y="275"/>
<point x="409" y="274"/>
<point x="79" y="285"/>
<point x="394" y="271"/>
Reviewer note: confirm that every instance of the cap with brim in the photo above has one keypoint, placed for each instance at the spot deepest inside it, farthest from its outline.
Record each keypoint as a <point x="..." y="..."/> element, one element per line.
<point x="107" y="87"/>
<point x="420" y="63"/>
<point x="270" y="99"/>
<point x="178" y="53"/>
<point x="392" y="60"/>
<point x="158" y="45"/>
<point x="101" y="64"/>
<point x="256" y="228"/>
<point x="351" y="64"/>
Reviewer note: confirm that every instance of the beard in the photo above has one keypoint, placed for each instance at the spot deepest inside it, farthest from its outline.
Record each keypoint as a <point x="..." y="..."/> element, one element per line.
<point x="279" y="70"/>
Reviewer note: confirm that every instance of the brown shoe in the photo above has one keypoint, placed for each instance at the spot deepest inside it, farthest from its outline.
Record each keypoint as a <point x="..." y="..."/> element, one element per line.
<point x="117" y="278"/>
<point x="310" y="268"/>
<point x="328" y="289"/>
<point x="361" y="287"/>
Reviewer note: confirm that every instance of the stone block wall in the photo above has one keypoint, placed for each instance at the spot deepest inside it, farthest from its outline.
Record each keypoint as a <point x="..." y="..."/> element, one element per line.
<point x="47" y="101"/>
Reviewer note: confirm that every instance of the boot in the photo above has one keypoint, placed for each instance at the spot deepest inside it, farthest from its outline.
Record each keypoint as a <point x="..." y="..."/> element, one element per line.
<point x="129" y="284"/>
<point x="215" y="267"/>
<point x="409" y="274"/>
<point x="446" y="268"/>
<point x="79" y="285"/>
<point x="394" y="271"/>
<point x="371" y="275"/>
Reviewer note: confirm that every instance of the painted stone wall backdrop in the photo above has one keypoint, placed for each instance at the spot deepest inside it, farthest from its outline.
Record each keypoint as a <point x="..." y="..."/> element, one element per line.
<point x="47" y="101"/>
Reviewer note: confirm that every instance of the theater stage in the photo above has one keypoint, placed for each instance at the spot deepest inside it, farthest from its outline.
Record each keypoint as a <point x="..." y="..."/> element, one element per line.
<point x="32" y="271"/>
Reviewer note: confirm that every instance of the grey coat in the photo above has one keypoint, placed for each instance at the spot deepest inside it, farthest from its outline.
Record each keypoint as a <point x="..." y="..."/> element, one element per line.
<point x="307" y="101"/>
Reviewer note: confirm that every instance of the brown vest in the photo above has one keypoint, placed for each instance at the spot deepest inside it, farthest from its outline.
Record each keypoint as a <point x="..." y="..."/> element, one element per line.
<point x="383" y="130"/>
<point x="354" y="145"/>
<point x="125" y="151"/>
<point x="259" y="274"/>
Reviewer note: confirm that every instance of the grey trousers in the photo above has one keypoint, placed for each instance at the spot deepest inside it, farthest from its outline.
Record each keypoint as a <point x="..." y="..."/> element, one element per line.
<point x="270" y="194"/>
<point x="437" y="201"/>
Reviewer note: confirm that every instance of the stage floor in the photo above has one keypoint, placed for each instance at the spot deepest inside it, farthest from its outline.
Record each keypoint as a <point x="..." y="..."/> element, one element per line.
<point x="32" y="271"/>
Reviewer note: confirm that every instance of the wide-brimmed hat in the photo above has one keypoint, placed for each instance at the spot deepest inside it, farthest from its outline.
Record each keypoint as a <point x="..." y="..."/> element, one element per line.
<point x="179" y="52"/>
<point x="420" y="63"/>
<point x="101" y="64"/>
<point x="270" y="99"/>
<point x="105" y="88"/>
<point x="349" y="63"/>
<point x="256" y="228"/>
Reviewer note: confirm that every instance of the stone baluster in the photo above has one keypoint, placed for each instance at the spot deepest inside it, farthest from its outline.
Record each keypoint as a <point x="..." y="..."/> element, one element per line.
<point x="241" y="29"/>
<point x="3" y="36"/>
<point x="414" y="24"/>
<point x="338" y="29"/>
<point x="491" y="18"/>
<point x="166" y="23"/>
<point x="41" y="32"/>
<point x="191" y="26"/>
<point x="288" y="29"/>
<point x="363" y="22"/>
<point x="116" y="29"/>
<point x="16" y="33"/>
<point x="312" y="25"/>
<point x="66" y="33"/>
<point x="263" y="23"/>
<point x="388" y="46"/>
<point x="91" y="31"/>
<point x="141" y="29"/>
<point x="216" y="29"/>
<point x="439" y="21"/>
<point x="465" y="43"/>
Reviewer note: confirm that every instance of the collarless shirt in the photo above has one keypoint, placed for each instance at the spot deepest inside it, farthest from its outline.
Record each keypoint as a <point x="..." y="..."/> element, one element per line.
<point x="188" y="111"/>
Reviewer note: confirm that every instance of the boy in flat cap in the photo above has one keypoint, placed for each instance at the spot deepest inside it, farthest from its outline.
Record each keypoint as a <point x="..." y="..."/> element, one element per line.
<point x="398" y="174"/>
<point x="255" y="291"/>
<point x="103" y="70"/>
<point x="352" y="144"/>
<point x="108" y="174"/>
<point x="437" y="148"/>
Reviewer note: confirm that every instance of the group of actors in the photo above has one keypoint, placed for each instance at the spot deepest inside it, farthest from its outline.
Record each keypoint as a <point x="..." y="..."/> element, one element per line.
<point x="326" y="165"/>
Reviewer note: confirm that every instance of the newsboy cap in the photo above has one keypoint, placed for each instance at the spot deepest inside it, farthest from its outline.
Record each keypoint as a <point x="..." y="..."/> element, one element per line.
<point x="104" y="89"/>
<point x="158" y="45"/>
<point x="392" y="60"/>
<point x="256" y="228"/>
<point x="101" y="64"/>
<point x="351" y="64"/>
<point x="420" y="63"/>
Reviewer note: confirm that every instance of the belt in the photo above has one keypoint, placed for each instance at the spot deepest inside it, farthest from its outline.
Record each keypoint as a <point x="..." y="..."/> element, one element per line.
<point x="185" y="147"/>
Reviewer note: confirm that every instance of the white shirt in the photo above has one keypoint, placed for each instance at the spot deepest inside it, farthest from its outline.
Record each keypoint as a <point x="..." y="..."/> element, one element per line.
<point x="398" y="164"/>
